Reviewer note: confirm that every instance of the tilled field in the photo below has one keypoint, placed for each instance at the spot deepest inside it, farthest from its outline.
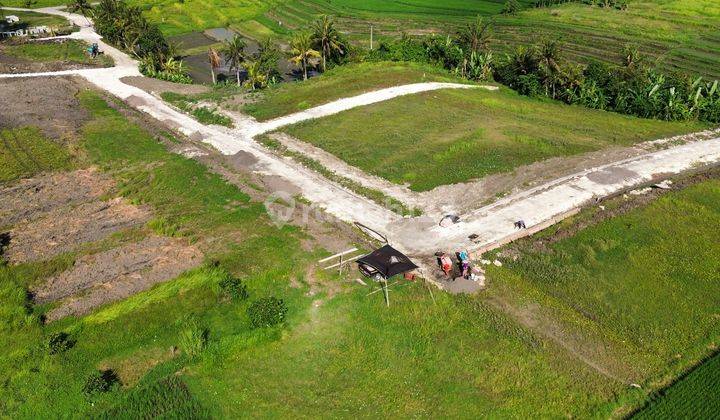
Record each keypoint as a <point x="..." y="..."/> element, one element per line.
<point x="116" y="274"/>
<point x="55" y="214"/>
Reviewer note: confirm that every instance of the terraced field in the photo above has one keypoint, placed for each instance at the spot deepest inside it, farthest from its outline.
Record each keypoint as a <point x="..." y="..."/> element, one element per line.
<point x="678" y="34"/>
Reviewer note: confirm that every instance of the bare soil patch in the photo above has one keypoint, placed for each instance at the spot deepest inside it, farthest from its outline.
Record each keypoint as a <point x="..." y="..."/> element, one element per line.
<point x="63" y="229"/>
<point x="116" y="274"/>
<point x="31" y="199"/>
<point x="160" y="86"/>
<point x="51" y="105"/>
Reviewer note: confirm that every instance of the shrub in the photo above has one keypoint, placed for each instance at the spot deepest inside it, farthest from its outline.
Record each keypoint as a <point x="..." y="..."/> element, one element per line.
<point x="267" y="312"/>
<point x="193" y="339"/>
<point x="233" y="288"/>
<point x="59" y="342"/>
<point x="100" y="381"/>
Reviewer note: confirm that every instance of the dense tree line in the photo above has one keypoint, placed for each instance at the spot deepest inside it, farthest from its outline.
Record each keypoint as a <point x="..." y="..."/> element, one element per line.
<point x="632" y="87"/>
<point x="617" y="4"/>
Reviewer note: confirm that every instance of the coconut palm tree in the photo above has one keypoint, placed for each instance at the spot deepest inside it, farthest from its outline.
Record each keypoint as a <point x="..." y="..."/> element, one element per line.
<point x="214" y="59"/>
<point x="302" y="51"/>
<point x="80" y="6"/>
<point x="327" y="39"/>
<point x="234" y="52"/>
<point x="475" y="36"/>
<point x="549" y="56"/>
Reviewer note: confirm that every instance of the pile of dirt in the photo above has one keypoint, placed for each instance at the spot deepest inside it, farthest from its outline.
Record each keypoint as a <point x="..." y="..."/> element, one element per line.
<point x="62" y="229"/>
<point x="116" y="274"/>
<point x="31" y="199"/>
<point x="38" y="103"/>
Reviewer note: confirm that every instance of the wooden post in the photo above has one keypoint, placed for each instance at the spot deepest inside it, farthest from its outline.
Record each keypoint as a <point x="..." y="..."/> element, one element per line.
<point x="371" y="37"/>
<point x="385" y="289"/>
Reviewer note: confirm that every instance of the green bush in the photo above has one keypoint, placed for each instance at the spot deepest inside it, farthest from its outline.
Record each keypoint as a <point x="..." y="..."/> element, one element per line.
<point x="267" y="312"/>
<point x="100" y="381"/>
<point x="233" y="288"/>
<point x="193" y="339"/>
<point x="167" y="398"/>
<point x="59" y="342"/>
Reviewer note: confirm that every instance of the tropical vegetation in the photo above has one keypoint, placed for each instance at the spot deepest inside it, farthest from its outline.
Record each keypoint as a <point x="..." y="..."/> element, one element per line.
<point x="126" y="27"/>
<point x="302" y="51"/>
<point x="632" y="87"/>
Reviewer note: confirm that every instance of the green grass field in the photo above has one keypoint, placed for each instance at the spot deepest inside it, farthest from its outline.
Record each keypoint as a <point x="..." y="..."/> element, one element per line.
<point x="646" y="282"/>
<point x="134" y="336"/>
<point x="450" y="136"/>
<point x="71" y="51"/>
<point x="350" y="353"/>
<point x="455" y="358"/>
<point x="25" y="152"/>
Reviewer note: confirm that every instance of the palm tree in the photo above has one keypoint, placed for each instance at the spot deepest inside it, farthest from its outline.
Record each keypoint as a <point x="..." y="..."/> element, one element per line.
<point x="234" y="52"/>
<point x="214" y="59"/>
<point x="302" y="51"/>
<point x="549" y="55"/>
<point x="82" y="6"/>
<point x="327" y="39"/>
<point x="475" y="37"/>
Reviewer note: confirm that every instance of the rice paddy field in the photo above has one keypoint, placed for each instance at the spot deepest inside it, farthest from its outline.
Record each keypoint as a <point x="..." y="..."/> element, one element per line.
<point x="644" y="283"/>
<point x="678" y="34"/>
<point x="450" y="136"/>
<point x="693" y="396"/>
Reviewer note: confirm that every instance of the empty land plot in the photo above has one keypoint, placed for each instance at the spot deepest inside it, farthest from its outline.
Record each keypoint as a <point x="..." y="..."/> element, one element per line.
<point x="340" y="82"/>
<point x="445" y="137"/>
<point x="647" y="280"/>
<point x="30" y="199"/>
